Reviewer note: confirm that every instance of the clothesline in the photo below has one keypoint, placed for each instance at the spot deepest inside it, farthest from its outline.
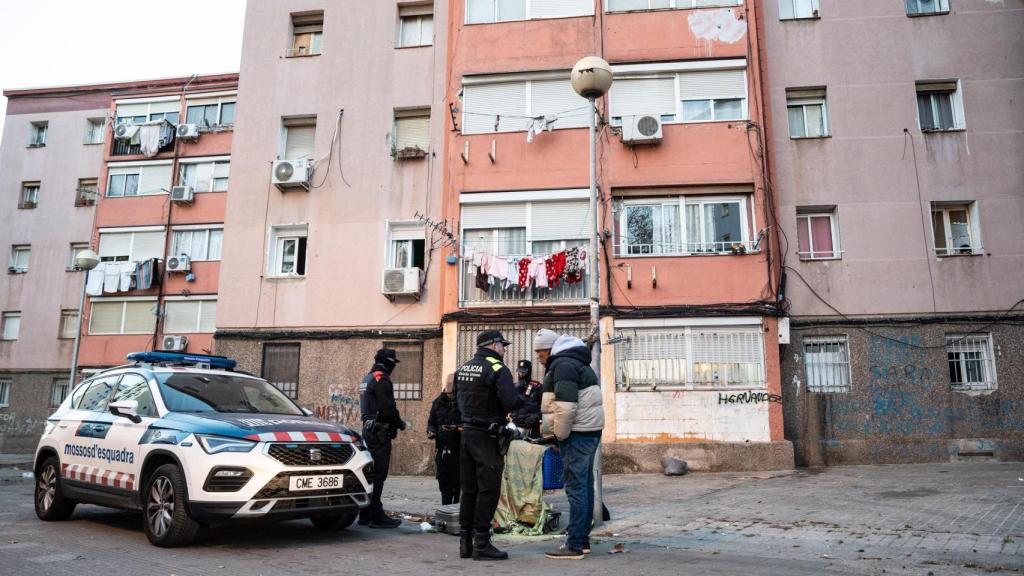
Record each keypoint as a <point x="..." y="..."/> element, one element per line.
<point x="569" y="266"/>
<point x="113" y="277"/>
<point x="522" y="117"/>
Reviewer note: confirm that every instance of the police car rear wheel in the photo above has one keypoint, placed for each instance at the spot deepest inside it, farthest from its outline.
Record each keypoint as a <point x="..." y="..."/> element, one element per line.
<point x="166" y="520"/>
<point x="337" y="522"/>
<point x="49" y="497"/>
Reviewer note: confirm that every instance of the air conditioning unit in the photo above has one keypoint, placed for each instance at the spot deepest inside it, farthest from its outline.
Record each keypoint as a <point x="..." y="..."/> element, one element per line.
<point x="190" y="131"/>
<point x="181" y="194"/>
<point x="400" y="282"/>
<point x="292" y="174"/>
<point x="125" y="131"/>
<point x="175" y="343"/>
<point x="179" y="264"/>
<point x="645" y="129"/>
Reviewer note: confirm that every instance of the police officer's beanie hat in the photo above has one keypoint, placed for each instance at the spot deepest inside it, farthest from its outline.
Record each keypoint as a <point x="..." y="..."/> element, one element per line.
<point x="386" y="355"/>
<point x="544" y="339"/>
<point x="524" y="366"/>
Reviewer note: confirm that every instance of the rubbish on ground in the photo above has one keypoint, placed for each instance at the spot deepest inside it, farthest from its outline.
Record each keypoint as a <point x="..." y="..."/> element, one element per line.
<point x="674" y="467"/>
<point x="27" y="475"/>
<point x="426" y="527"/>
<point x="618" y="549"/>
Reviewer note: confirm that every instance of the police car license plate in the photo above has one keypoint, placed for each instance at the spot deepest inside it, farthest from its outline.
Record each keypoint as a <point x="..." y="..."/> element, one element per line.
<point x="322" y="482"/>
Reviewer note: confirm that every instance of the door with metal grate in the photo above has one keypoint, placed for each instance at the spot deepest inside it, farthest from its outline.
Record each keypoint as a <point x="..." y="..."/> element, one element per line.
<point x="520" y="334"/>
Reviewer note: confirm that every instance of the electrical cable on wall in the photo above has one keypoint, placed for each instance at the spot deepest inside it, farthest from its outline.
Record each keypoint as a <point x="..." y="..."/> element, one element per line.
<point x="330" y="155"/>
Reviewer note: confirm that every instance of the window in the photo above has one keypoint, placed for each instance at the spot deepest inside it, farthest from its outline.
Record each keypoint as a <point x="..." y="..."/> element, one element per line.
<point x="76" y="249"/>
<point x="206" y="176"/>
<point x="20" y="256"/>
<point x="817" y="234"/>
<point x="297" y="137"/>
<point x="927" y="7"/>
<point x="95" y="130"/>
<point x="486" y="11"/>
<point x="135" y="387"/>
<point x="631" y="5"/>
<point x="288" y="251"/>
<point x="407" y="246"/>
<point x="828" y="364"/>
<point x="11" y="325"/>
<point x="408" y="374"/>
<point x="281" y="367"/>
<point x="37" y="133"/>
<point x="971" y="362"/>
<point x="136" y="316"/>
<point x="307" y="34"/>
<point x="689" y="357"/>
<point x="5" y="392"/>
<point x="798" y="9"/>
<point x="59" y="391"/>
<point x="211" y="112"/>
<point x="68" y="324"/>
<point x="679" y="95"/>
<point x="808" y="117"/>
<point x="86" y="192"/>
<point x="939" y="106"/>
<point x="97" y="394"/>
<point x="493" y="105"/>
<point x="415" y="26"/>
<point x="200" y="244"/>
<point x="955" y="229"/>
<point x="120" y="245"/>
<point x="706" y="224"/>
<point x="411" y="134"/>
<point x="29" y="195"/>
<point x="138" y="179"/>
<point x="195" y="315"/>
<point x="139" y="112"/>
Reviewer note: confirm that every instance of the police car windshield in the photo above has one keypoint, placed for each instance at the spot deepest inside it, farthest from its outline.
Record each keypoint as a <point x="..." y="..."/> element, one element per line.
<point x="189" y="392"/>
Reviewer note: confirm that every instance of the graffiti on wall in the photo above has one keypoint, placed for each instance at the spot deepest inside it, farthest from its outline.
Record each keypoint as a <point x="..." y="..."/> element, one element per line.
<point x="11" y="423"/>
<point x="749" y="398"/>
<point x="340" y="408"/>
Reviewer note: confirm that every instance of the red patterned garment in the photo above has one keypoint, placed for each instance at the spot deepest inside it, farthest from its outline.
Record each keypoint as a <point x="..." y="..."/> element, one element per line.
<point x="524" y="273"/>
<point x="555" y="269"/>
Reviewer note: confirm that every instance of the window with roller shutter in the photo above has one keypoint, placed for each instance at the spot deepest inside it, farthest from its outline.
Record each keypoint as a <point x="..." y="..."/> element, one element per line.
<point x="138" y="179"/>
<point x="509" y="103"/>
<point x="122" y="316"/>
<point x="488" y="11"/>
<point x="411" y="134"/>
<point x="193" y="315"/>
<point x="125" y="245"/>
<point x="680" y="92"/>
<point x="297" y="137"/>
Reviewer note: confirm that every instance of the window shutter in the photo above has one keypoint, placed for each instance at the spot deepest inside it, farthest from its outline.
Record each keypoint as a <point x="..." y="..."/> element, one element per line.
<point x="561" y="8"/>
<point x="221" y="169"/>
<point x="805" y="93"/>
<point x="118" y="170"/>
<point x="162" y="107"/>
<point x="128" y="110"/>
<point x="476" y="216"/>
<point x="785" y="9"/>
<point x="484" y="103"/>
<point x="712" y="85"/>
<point x="117" y="244"/>
<point x="936" y="86"/>
<point x="727" y="347"/>
<point x="407" y="233"/>
<point x="412" y="132"/>
<point x="560" y="220"/>
<point x="556" y="97"/>
<point x="148" y="245"/>
<point x="638" y="96"/>
<point x="299" y="142"/>
<point x="106" y="318"/>
<point x="208" y="316"/>
<point x="155" y="179"/>
<point x="139" y="317"/>
<point x="180" y="317"/>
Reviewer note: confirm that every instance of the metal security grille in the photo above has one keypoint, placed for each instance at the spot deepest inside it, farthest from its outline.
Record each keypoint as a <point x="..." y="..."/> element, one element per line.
<point x="828" y="364"/>
<point x="521" y="337"/>
<point x="971" y="362"/>
<point x="281" y="367"/>
<point x="408" y="375"/>
<point x="689" y="358"/>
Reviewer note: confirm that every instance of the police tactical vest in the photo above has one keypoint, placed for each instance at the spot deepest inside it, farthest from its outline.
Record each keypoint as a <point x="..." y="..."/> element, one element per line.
<point x="476" y="389"/>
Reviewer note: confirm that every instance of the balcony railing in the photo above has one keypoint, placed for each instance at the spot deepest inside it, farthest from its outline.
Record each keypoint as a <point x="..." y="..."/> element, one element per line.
<point x="498" y="294"/>
<point x="124" y="147"/>
<point x="687" y="248"/>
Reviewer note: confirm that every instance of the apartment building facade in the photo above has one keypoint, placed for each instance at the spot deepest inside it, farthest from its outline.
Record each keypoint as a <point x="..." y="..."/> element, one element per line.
<point x="335" y="248"/>
<point x="50" y="163"/>
<point x="688" y="267"/>
<point x="896" y="138"/>
<point x="159" y="223"/>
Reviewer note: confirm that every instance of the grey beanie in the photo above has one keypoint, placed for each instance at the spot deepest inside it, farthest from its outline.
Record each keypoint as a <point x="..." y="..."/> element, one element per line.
<point x="544" y="339"/>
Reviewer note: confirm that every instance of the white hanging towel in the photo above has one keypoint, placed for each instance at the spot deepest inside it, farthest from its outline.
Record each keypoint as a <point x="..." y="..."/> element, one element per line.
<point x="149" y="139"/>
<point x="94" y="280"/>
<point x="126" y="271"/>
<point x="111" y="277"/>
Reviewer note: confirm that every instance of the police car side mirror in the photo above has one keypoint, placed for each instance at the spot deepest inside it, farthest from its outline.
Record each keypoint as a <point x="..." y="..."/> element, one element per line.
<point x="126" y="409"/>
<point x="306" y="411"/>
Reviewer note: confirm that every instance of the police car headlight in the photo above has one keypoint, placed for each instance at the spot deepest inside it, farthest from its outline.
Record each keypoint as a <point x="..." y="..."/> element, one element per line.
<point x="218" y="444"/>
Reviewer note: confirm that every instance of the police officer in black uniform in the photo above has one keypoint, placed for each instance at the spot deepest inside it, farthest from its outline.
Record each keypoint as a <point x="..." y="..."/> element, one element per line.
<point x="381" y="423"/>
<point x="486" y="394"/>
<point x="528" y="417"/>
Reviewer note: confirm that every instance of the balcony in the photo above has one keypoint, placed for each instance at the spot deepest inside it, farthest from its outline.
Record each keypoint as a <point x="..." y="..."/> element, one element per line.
<point x="498" y="295"/>
<point x="132" y="147"/>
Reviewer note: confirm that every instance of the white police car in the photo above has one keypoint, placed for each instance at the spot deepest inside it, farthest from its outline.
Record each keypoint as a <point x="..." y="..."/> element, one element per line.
<point x="189" y="442"/>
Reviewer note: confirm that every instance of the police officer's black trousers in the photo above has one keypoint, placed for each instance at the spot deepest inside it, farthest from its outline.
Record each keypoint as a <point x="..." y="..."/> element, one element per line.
<point x="481" y="466"/>
<point x="381" y="452"/>
<point x="446" y="461"/>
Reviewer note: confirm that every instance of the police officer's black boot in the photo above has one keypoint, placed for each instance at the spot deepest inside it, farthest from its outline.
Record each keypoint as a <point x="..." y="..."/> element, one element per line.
<point x="484" y="550"/>
<point x="465" y="543"/>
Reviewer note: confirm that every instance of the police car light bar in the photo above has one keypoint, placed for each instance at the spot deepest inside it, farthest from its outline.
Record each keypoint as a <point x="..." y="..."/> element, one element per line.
<point x="220" y="362"/>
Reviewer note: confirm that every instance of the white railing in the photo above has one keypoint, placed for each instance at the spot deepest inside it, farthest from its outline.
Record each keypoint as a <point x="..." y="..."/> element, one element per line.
<point x="686" y="248"/>
<point x="499" y="293"/>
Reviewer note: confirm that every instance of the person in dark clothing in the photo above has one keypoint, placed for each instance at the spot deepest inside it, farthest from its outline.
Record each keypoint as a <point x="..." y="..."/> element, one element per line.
<point x="381" y="423"/>
<point x="486" y="394"/>
<point x="527" y="417"/>
<point x="443" y="428"/>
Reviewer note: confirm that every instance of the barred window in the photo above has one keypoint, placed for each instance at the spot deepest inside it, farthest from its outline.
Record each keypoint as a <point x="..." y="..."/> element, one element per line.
<point x="281" y="367"/>
<point x="689" y="357"/>
<point x="59" y="391"/>
<point x="828" y="364"/>
<point x="521" y="337"/>
<point x="5" y="392"/>
<point x="971" y="362"/>
<point x="408" y="374"/>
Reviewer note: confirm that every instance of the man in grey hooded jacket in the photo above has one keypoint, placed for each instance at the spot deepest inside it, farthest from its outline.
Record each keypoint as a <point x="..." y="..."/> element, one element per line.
<point x="573" y="413"/>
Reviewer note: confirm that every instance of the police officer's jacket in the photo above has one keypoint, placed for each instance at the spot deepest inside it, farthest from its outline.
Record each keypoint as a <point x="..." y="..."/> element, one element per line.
<point x="377" y="398"/>
<point x="485" y="390"/>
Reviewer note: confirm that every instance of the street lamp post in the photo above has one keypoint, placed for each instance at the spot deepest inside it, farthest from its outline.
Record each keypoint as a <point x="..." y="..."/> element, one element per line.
<point x="85" y="260"/>
<point x="591" y="78"/>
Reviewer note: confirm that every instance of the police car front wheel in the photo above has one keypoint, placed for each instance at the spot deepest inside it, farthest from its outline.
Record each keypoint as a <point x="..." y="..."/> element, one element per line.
<point x="51" y="504"/>
<point x="166" y="520"/>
